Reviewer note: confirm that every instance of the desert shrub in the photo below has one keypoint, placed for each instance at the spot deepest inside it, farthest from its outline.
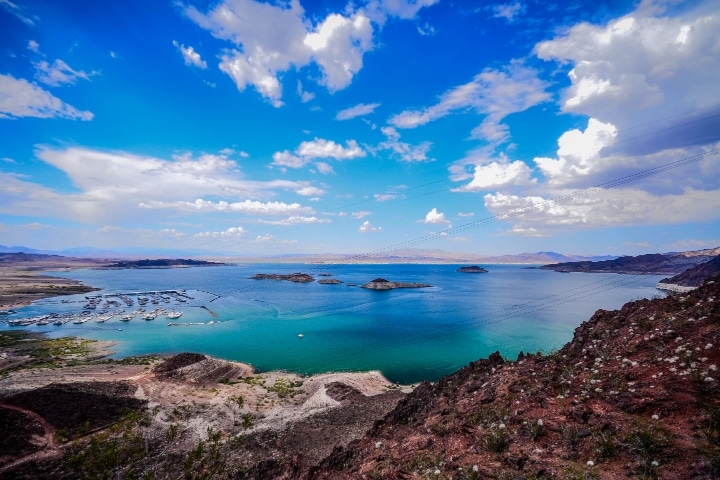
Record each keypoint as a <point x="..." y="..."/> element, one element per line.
<point x="497" y="438"/>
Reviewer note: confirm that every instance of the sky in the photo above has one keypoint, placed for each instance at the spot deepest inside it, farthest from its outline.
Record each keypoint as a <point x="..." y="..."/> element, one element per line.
<point x="242" y="127"/>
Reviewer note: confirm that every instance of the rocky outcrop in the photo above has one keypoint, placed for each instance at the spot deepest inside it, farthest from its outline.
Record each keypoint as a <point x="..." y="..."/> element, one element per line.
<point x="197" y="368"/>
<point x="634" y="395"/>
<point x="293" y="277"/>
<point x="382" y="284"/>
<point x="472" y="269"/>
<point x="692" y="278"/>
<point x="329" y="281"/>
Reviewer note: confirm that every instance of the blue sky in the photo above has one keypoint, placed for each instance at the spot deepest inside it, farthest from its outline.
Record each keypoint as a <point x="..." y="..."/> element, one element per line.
<point x="245" y="127"/>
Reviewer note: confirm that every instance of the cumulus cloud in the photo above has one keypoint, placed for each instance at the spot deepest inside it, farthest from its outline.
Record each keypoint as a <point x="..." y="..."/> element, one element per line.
<point x="640" y="68"/>
<point x="269" y="39"/>
<point x="579" y="153"/>
<point x="307" y="151"/>
<point x="359" y="110"/>
<point x="20" y="98"/>
<point x="493" y="93"/>
<point x="435" y="217"/>
<point x="368" y="227"/>
<point x="191" y="57"/>
<point x="33" y="46"/>
<point x="645" y="82"/>
<point x="498" y="174"/>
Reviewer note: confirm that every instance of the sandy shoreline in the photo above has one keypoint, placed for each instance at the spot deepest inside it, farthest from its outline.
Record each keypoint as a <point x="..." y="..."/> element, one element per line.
<point x="22" y="281"/>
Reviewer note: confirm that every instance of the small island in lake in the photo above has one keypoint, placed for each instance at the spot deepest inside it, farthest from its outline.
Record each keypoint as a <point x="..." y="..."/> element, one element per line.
<point x="382" y="284"/>
<point x="330" y="281"/>
<point x="293" y="277"/>
<point x="473" y="269"/>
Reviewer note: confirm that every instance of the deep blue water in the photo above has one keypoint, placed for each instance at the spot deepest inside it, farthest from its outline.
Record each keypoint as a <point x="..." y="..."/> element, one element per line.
<point x="409" y="335"/>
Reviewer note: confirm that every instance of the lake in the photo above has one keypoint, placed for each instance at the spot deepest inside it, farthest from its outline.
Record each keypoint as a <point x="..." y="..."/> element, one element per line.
<point x="409" y="334"/>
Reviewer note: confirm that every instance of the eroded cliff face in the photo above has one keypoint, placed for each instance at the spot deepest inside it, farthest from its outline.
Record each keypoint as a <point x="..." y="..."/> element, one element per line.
<point x="635" y="394"/>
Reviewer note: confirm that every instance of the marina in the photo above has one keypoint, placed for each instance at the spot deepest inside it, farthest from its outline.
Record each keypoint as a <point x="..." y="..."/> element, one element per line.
<point x="104" y="308"/>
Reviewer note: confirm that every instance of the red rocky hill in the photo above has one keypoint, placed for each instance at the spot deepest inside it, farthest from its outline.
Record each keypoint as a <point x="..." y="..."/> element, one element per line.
<point x="634" y="394"/>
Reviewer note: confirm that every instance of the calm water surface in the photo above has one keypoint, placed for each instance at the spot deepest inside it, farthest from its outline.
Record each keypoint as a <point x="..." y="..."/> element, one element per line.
<point x="408" y="334"/>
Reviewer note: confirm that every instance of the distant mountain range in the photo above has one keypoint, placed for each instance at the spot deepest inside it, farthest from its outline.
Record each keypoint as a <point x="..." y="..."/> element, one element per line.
<point x="396" y="256"/>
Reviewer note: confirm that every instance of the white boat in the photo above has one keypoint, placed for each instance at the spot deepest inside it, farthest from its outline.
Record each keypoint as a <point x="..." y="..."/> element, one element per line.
<point x="126" y="318"/>
<point x="300" y="335"/>
<point x="150" y="316"/>
<point x="174" y="315"/>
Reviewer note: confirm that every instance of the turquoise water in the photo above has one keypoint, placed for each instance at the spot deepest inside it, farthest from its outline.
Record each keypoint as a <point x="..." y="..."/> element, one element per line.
<point x="409" y="335"/>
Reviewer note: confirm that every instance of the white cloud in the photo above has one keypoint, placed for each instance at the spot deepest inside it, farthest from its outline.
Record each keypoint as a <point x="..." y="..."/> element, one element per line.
<point x="361" y="214"/>
<point x="287" y="159"/>
<point x="493" y="93"/>
<point x="33" y="46"/>
<point x="500" y="174"/>
<point x="358" y="110"/>
<point x="307" y="151"/>
<point x="579" y="153"/>
<point x="603" y="208"/>
<point x="436" y="218"/>
<point x="338" y="45"/>
<point x="508" y="11"/>
<point x="246" y="206"/>
<point x="640" y="68"/>
<point x="384" y="197"/>
<point x="59" y="73"/>
<point x="119" y="185"/>
<point x="191" y="57"/>
<point x="296" y="220"/>
<point x="271" y="39"/>
<point x="465" y="214"/>
<point x="403" y="150"/>
<point x="324" y="168"/>
<point x="310" y="191"/>
<point x="426" y="29"/>
<point x="232" y="232"/>
<point x="368" y="227"/>
<point x="321" y="148"/>
<point x="17" y="11"/>
<point x="304" y="95"/>
<point x="380" y="10"/>
<point x="20" y="98"/>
